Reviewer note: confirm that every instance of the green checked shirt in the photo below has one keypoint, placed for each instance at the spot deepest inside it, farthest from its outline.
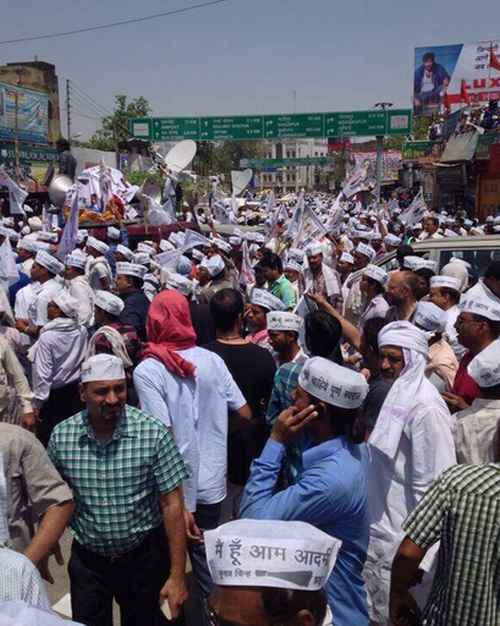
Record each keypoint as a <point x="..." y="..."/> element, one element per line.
<point x="462" y="510"/>
<point x="116" y="483"/>
<point x="283" y="289"/>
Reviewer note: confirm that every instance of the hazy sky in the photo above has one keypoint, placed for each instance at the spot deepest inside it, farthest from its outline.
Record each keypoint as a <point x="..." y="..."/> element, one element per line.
<point x="242" y="56"/>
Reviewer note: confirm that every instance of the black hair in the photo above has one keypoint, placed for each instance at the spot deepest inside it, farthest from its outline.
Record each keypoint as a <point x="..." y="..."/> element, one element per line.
<point x="452" y="294"/>
<point x="226" y="305"/>
<point x="282" y="605"/>
<point x="371" y="329"/>
<point x="493" y="270"/>
<point x="402" y="251"/>
<point x="433" y="219"/>
<point x="62" y="144"/>
<point x="136" y="281"/>
<point x="272" y="261"/>
<point x="375" y="284"/>
<point x="428" y="56"/>
<point x="494" y="327"/>
<point x="323" y="333"/>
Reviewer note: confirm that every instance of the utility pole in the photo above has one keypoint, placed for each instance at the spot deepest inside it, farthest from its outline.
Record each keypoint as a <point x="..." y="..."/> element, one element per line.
<point x="380" y="151"/>
<point x="68" y="110"/>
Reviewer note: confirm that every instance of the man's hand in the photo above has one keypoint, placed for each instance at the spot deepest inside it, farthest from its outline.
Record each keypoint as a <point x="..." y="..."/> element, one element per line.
<point x="21" y="325"/>
<point x="174" y="591"/>
<point x="318" y="298"/>
<point x="291" y="421"/>
<point x="454" y="402"/>
<point x="30" y="420"/>
<point x="193" y="532"/>
<point x="43" y="566"/>
<point x="403" y="609"/>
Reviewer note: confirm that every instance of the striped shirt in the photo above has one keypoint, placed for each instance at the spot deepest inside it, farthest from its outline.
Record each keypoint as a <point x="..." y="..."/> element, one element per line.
<point x="462" y="511"/>
<point x="116" y="483"/>
<point x="20" y="580"/>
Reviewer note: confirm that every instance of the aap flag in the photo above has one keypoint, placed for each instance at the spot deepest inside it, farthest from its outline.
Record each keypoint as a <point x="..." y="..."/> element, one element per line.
<point x="414" y="213"/>
<point x="17" y="196"/>
<point x="70" y="232"/>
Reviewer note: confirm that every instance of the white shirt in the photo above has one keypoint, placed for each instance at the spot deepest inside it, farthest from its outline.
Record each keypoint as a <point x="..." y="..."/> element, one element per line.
<point x="80" y="289"/>
<point x="377" y="307"/>
<point x="396" y="485"/>
<point x="197" y="412"/>
<point x="58" y="357"/>
<point x="451" y="334"/>
<point x="37" y="312"/>
<point x="475" y="431"/>
<point x="20" y="580"/>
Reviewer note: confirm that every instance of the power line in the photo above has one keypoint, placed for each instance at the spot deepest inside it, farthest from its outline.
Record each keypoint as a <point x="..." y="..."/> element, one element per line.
<point x="114" y="24"/>
<point x="83" y="104"/>
<point x="85" y="96"/>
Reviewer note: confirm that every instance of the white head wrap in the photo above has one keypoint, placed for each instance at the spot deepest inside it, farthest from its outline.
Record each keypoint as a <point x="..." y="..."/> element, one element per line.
<point x="49" y="262"/>
<point x="109" y="302"/>
<point x="332" y="383"/>
<point x="67" y="304"/>
<point x="124" y="251"/>
<point x="296" y="253"/>
<point x="130" y="269"/>
<point x="293" y="265"/>
<point x="266" y="300"/>
<point x="102" y="367"/>
<point x="410" y="262"/>
<point x="425" y="264"/>
<point x="283" y="320"/>
<point x="27" y="244"/>
<point x="46" y="236"/>
<point x="408" y="390"/>
<point x="445" y="281"/>
<point x="457" y="270"/>
<point x="376" y="273"/>
<point x="264" y="553"/>
<point x="178" y="282"/>
<point x="142" y="246"/>
<point x="116" y="341"/>
<point x="98" y="245"/>
<point x="484" y="369"/>
<point x="235" y="241"/>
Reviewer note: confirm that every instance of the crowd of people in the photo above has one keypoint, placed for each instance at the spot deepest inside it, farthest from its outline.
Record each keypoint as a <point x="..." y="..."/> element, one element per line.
<point x="318" y="433"/>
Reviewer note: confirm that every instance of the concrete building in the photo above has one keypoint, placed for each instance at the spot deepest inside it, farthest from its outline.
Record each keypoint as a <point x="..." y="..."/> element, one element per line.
<point x="292" y="178"/>
<point x="39" y="76"/>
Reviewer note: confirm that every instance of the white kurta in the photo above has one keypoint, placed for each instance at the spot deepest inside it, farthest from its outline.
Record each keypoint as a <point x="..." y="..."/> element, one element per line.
<point x="37" y="312"/>
<point x="80" y="289"/>
<point x="475" y="432"/>
<point x="425" y="450"/>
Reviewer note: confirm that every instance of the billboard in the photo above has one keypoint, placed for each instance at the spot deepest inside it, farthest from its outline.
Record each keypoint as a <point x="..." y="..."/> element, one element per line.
<point x="392" y="162"/>
<point x="32" y="109"/>
<point x="453" y="76"/>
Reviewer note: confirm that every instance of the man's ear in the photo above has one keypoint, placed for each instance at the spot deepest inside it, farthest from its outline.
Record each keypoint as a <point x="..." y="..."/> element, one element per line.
<point x="304" y="618"/>
<point x="81" y="389"/>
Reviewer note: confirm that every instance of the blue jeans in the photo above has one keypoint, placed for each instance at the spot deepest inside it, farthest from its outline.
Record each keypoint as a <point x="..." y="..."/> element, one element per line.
<point x="207" y="517"/>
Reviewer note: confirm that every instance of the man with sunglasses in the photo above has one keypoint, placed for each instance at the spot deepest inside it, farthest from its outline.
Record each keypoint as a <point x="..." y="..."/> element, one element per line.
<point x="477" y="325"/>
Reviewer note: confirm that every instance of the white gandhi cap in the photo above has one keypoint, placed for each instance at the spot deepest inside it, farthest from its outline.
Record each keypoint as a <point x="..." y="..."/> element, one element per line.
<point x="265" y="553"/>
<point x="102" y="367"/>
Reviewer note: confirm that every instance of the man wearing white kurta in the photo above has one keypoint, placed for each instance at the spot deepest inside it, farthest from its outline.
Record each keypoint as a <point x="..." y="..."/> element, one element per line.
<point x="411" y="444"/>
<point x="78" y="286"/>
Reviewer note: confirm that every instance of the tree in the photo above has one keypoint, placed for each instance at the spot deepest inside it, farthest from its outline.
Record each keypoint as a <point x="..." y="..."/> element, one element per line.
<point x="221" y="158"/>
<point x="114" y="128"/>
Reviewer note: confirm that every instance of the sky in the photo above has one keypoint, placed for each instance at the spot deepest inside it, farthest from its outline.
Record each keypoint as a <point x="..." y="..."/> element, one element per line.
<point x="241" y="57"/>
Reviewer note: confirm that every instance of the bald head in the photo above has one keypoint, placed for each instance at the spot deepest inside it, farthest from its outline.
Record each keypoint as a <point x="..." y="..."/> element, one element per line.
<point x="402" y="288"/>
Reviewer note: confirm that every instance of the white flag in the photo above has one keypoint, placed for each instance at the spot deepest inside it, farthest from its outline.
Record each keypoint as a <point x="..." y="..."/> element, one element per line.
<point x="17" y="196"/>
<point x="9" y="274"/>
<point x="195" y="239"/>
<point x="295" y="222"/>
<point x="311" y="228"/>
<point x="70" y="232"/>
<point x="414" y="213"/>
<point x="360" y="180"/>
<point x="336" y="213"/>
<point x="246" y="274"/>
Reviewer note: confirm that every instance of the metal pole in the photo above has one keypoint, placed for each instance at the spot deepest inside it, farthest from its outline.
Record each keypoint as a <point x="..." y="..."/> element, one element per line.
<point x="379" y="164"/>
<point x="16" y="130"/>
<point x="68" y="110"/>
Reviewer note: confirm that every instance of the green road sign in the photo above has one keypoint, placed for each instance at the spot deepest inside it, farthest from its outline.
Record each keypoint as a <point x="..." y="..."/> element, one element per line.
<point x="259" y="164"/>
<point x="299" y="125"/>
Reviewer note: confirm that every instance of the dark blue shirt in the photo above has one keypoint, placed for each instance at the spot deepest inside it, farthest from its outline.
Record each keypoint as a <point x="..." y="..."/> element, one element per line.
<point x="135" y="312"/>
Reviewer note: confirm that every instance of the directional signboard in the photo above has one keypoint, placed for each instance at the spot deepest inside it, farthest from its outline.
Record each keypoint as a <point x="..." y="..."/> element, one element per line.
<point x="298" y="125"/>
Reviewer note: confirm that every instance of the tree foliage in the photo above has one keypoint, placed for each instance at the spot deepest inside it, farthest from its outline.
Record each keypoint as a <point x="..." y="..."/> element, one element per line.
<point x="222" y="157"/>
<point x="114" y="128"/>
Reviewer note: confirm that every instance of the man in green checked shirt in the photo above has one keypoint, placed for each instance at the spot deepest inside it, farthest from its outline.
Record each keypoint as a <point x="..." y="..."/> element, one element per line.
<point x="126" y="475"/>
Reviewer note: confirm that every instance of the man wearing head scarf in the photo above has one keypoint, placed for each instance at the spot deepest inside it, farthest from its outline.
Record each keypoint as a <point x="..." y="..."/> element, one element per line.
<point x="445" y="293"/>
<point x="97" y="270"/>
<point x="78" y="286"/>
<point x="410" y="445"/>
<point x="331" y="490"/>
<point x="57" y="357"/>
<point x="477" y="433"/>
<point x="191" y="390"/>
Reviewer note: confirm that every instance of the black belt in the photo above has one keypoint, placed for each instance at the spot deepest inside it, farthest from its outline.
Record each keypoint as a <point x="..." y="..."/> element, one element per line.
<point x="124" y="556"/>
